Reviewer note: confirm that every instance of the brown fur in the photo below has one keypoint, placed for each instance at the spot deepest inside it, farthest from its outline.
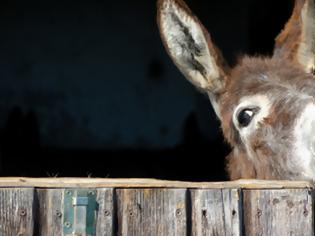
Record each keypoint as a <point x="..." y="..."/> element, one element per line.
<point x="283" y="79"/>
<point x="243" y="81"/>
<point x="288" y="41"/>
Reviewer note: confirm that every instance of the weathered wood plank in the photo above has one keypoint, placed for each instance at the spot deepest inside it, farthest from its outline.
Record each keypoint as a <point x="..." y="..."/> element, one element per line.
<point x="151" y="212"/>
<point x="278" y="212"/>
<point x="147" y="183"/>
<point x="216" y="212"/>
<point x="49" y="211"/>
<point x="106" y="212"/>
<point x="16" y="211"/>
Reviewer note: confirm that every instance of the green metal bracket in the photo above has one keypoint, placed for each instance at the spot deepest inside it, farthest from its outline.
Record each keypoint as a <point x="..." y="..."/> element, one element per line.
<point x="79" y="212"/>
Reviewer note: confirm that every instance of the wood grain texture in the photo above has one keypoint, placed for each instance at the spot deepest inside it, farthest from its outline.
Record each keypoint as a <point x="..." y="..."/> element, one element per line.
<point x="147" y="183"/>
<point x="49" y="211"/>
<point x="216" y="212"/>
<point x="106" y="212"/>
<point x="16" y="212"/>
<point x="278" y="212"/>
<point x="145" y="212"/>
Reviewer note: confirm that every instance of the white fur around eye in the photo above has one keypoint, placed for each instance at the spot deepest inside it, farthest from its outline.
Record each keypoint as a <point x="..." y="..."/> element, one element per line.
<point x="260" y="101"/>
<point x="263" y="103"/>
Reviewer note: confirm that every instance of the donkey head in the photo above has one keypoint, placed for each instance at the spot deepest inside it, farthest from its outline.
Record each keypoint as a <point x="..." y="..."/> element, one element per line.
<point x="266" y="105"/>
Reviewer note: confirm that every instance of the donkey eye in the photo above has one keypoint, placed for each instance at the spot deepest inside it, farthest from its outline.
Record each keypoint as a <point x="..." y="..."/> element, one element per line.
<point x="245" y="116"/>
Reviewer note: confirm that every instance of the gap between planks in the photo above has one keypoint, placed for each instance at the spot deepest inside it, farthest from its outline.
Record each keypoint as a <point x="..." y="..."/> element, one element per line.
<point x="148" y="183"/>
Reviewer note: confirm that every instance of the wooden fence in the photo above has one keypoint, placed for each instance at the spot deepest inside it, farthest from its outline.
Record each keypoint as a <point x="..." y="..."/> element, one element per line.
<point x="59" y="206"/>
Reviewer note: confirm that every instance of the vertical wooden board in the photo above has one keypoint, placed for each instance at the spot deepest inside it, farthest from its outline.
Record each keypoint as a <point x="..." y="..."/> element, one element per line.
<point x="16" y="211"/>
<point x="216" y="212"/>
<point x="278" y="212"/>
<point x="152" y="212"/>
<point x="49" y="211"/>
<point x="106" y="212"/>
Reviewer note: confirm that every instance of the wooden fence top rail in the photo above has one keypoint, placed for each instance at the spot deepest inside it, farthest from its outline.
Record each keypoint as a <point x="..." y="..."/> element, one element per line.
<point x="147" y="183"/>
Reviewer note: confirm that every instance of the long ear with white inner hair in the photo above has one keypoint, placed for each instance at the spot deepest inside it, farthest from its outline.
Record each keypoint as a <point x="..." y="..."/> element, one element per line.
<point x="296" y="42"/>
<point x="190" y="47"/>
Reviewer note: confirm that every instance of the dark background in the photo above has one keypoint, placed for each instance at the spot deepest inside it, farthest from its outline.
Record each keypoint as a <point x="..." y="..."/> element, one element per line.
<point x="86" y="88"/>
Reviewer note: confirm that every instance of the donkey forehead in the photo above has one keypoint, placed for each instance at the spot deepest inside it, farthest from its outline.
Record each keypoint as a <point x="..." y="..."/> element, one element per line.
<point x="256" y="75"/>
<point x="262" y="81"/>
<point x="278" y="97"/>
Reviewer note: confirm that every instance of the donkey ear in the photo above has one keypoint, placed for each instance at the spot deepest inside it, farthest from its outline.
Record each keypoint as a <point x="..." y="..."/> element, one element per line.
<point x="190" y="47"/>
<point x="296" y="42"/>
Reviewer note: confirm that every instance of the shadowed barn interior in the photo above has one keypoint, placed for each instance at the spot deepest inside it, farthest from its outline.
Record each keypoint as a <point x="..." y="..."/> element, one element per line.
<point x="87" y="89"/>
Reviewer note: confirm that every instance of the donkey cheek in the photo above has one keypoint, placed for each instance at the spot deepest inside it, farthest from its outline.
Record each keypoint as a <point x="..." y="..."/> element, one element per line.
<point x="261" y="148"/>
<point x="264" y="151"/>
<point x="256" y="144"/>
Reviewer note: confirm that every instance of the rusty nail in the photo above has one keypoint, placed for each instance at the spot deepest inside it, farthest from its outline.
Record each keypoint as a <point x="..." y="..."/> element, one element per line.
<point x="23" y="212"/>
<point x="259" y="212"/>
<point x="178" y="212"/>
<point x="67" y="224"/>
<point x="58" y="213"/>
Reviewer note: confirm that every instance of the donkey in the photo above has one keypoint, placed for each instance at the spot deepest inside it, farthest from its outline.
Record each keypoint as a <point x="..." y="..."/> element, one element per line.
<point x="266" y="105"/>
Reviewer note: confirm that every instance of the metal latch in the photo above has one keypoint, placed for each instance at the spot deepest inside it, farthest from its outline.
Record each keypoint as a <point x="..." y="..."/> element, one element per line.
<point x="79" y="212"/>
